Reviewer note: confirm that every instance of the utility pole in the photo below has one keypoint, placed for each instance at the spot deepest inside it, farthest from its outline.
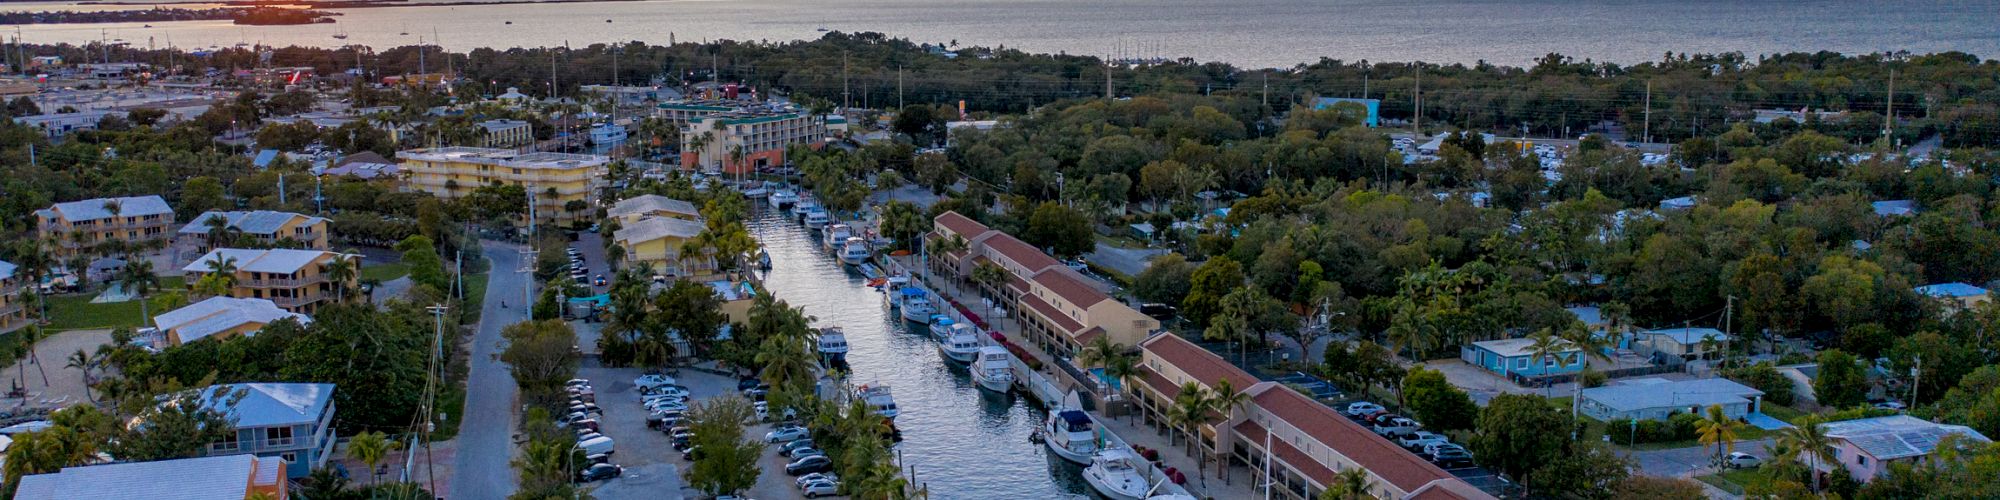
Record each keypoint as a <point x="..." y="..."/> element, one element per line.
<point x="1916" y="375"/>
<point x="1648" y="128"/>
<point x="1728" y="317"/>
<point x="899" y="87"/>
<point x="1267" y="89"/>
<point x="1889" y="109"/>
<point x="1107" y="81"/>
<point x="846" y="93"/>
<point x="1417" y="120"/>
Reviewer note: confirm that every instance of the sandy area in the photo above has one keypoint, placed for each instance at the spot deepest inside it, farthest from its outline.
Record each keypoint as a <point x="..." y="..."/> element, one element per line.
<point x="64" y="386"/>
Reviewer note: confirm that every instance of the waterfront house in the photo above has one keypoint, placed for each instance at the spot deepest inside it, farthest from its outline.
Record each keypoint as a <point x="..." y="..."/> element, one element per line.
<point x="657" y="241"/>
<point x="296" y="280"/>
<point x="1687" y="343"/>
<point x="289" y="421"/>
<point x="1516" y="356"/>
<point x="1867" y="446"/>
<point x="13" y="315"/>
<point x="1657" y="398"/>
<point x="222" y="477"/>
<point x="219" y="318"/>
<point x="552" y="180"/>
<point x="1308" y="444"/>
<point x="1955" y="296"/>
<point x="632" y="209"/>
<point x="78" y="225"/>
<point x="265" y="227"/>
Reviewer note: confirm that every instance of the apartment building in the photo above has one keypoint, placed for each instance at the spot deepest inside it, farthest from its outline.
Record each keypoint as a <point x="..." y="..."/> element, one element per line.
<point x="219" y="318"/>
<point x="221" y="477"/>
<point x="79" y="225"/>
<point x="746" y="139"/>
<point x="13" y="315"/>
<point x="267" y="228"/>
<point x="1167" y="362"/>
<point x="296" y="280"/>
<point x="551" y="179"/>
<point x="681" y="113"/>
<point x="1060" y="310"/>
<point x="292" y="422"/>
<point x="503" y="133"/>
<point x="657" y="242"/>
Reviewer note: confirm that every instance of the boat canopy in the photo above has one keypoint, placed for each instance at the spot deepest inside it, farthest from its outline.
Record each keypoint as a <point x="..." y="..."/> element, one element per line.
<point x="1077" y="420"/>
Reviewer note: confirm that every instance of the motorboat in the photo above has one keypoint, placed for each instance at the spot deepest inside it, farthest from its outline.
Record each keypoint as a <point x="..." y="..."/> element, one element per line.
<point x="855" y="251"/>
<point x="817" y="219"/>
<point x="878" y="398"/>
<point x="962" y="347"/>
<point x="1069" y="431"/>
<point x="764" y="260"/>
<point x="752" y="190"/>
<point x="994" y="369"/>
<point x="803" y="206"/>
<point x="835" y="236"/>
<point x="833" y="346"/>
<point x="783" y="198"/>
<point x="1115" y="474"/>
<point x="940" y="327"/>
<point x="916" y="304"/>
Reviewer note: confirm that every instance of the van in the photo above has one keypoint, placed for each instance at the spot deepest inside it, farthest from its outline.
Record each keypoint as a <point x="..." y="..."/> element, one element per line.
<point x="596" y="446"/>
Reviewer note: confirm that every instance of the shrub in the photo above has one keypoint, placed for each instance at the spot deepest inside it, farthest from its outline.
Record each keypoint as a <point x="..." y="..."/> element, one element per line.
<point x="1593" y="379"/>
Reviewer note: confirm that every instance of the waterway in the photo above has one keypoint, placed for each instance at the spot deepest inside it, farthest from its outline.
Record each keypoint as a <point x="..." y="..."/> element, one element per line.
<point x="1255" y="33"/>
<point x="965" y="443"/>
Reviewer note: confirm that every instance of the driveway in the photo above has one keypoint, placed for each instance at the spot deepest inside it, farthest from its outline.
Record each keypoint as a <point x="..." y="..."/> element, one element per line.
<point x="1690" y="461"/>
<point x="1128" y="261"/>
<point x="485" y="440"/>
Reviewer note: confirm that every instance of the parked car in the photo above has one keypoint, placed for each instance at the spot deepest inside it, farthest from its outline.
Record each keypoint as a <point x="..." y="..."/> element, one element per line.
<point x="815" y="463"/>
<point x="1741" y="460"/>
<point x="690" y="453"/>
<point x="1360" y="408"/>
<point x="599" y="472"/>
<point x="600" y="280"/>
<point x="577" y="382"/>
<point x="652" y="380"/>
<point x="589" y="424"/>
<point x="1395" y="425"/>
<point x="787" y="434"/>
<point x="1451" y="458"/>
<point x="669" y="390"/>
<point x="1419" y="438"/>
<point x="599" y="446"/>
<point x="600" y="458"/>
<point x="746" y="383"/>
<point x="1431" y="450"/>
<point x="804" y="452"/>
<point x="816" y="476"/>
<point x="821" y="487"/>
<point x="586" y="435"/>
<point x="787" y="448"/>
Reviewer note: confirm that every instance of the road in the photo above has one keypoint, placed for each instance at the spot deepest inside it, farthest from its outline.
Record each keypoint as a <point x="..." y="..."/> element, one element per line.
<point x="485" y="438"/>
<point x="1124" y="260"/>
<point x="1690" y="461"/>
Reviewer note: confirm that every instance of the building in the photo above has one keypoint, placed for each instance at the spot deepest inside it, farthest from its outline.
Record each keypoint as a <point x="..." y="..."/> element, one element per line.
<point x="1894" y="208"/>
<point x="682" y="113"/>
<point x="13" y="315"/>
<point x="657" y="241"/>
<point x="506" y="133"/>
<point x="1517" y="357"/>
<point x="632" y="209"/>
<point x="1060" y="310"/>
<point x="746" y="139"/>
<point x="1955" y="296"/>
<point x="1796" y="115"/>
<point x="296" y="280"/>
<point x="628" y="95"/>
<point x="222" y="477"/>
<point x="289" y="421"/>
<point x="1867" y="446"/>
<point x="1371" y="108"/>
<point x="364" y="165"/>
<point x="1166" y="362"/>
<point x="1656" y="399"/>
<point x="267" y="228"/>
<point x="219" y="318"/>
<point x="552" y="180"/>
<point x="1307" y="444"/>
<point x="78" y="225"/>
<point x="1686" y="343"/>
<point x="57" y="125"/>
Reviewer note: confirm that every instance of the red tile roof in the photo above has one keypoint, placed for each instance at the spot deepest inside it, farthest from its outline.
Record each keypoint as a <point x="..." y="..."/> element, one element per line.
<point x="1196" y="361"/>
<point x="1160" y="384"/>
<point x="1299" y="460"/>
<point x="1071" y="290"/>
<point x="1021" y="252"/>
<point x="1088" y="335"/>
<point x="1063" y="321"/>
<point x="961" y="225"/>
<point x="1378" y="455"/>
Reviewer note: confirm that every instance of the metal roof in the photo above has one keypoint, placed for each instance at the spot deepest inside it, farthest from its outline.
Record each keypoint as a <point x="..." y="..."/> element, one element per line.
<point x="1649" y="393"/>
<point x="7" y="269"/>
<point x="276" y="260"/>
<point x="130" y="206"/>
<point x="219" y="314"/>
<point x="1951" y="290"/>
<point x="227" y="477"/>
<point x="1897" y="436"/>
<point x="1690" y="336"/>
<point x="654" y="228"/>
<point x="253" y="222"/>
<point x="268" y="404"/>
<point x="652" y="203"/>
<point x="1514" y="348"/>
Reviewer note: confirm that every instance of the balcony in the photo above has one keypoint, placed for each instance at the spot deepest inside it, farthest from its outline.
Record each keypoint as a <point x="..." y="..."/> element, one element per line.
<point x="290" y="302"/>
<point x="282" y="282"/>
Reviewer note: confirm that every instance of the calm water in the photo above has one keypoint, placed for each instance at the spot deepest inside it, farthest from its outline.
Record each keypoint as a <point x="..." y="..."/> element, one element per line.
<point x="964" y="442"/>
<point x="1261" y="33"/>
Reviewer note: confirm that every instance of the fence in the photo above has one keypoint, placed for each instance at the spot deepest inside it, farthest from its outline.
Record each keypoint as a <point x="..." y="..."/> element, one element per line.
<point x="1543" y="380"/>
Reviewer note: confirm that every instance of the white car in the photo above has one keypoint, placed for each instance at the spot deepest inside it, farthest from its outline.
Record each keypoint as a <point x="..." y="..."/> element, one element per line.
<point x="652" y="380"/>
<point x="668" y="390"/>
<point x="786" y="434"/>
<point x="1359" y="408"/>
<point x="821" y="487"/>
<point x="817" y="476"/>
<point x="1741" y="460"/>
<point x="667" y="406"/>
<point x="1420" y="438"/>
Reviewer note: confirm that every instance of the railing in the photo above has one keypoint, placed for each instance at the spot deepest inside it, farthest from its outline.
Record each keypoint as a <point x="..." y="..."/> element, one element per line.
<point x="283" y="282"/>
<point x="295" y="301"/>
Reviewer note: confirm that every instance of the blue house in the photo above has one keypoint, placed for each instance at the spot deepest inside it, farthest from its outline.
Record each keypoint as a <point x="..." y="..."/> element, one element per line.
<point x="1515" y="356"/>
<point x="1374" y="107"/>
<point x="293" y="422"/>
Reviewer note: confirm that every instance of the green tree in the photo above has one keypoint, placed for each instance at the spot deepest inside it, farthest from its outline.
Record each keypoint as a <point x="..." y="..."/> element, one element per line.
<point x="1166" y="279"/>
<point x="1519" y="433"/>
<point x="371" y="448"/>
<point x="728" y="463"/>
<point x="426" y="268"/>
<point x="542" y="356"/>
<point x="1064" y="231"/>
<point x="1841" y="382"/>
<point x="201" y="194"/>
<point x="1207" y="285"/>
<point x="1435" y="402"/>
<point x="1808" y="437"/>
<point x="1718" y="430"/>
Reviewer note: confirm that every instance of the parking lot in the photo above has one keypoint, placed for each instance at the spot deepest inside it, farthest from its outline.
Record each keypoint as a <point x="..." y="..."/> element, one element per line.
<point x="1326" y="393"/>
<point x="652" y="466"/>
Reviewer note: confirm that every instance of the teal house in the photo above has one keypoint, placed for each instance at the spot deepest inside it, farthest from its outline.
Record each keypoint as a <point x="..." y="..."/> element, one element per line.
<point x="1516" y="356"/>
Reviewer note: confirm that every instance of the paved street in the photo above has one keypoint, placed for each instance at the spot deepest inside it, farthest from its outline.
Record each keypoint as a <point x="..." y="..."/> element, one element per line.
<point x="1691" y="461"/>
<point x="485" y="440"/>
<point x="1124" y="260"/>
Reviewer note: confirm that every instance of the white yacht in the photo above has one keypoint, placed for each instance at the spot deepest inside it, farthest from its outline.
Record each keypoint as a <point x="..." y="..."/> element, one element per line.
<point x="833" y="346"/>
<point x="835" y="236"/>
<point x="1069" y="431"/>
<point x="994" y="370"/>
<point x="916" y="304"/>
<point x="817" y="219"/>
<point x="855" y="251"/>
<point x="783" y="198"/>
<point x="1115" y="474"/>
<point x="962" y="346"/>
<point x="877" y="396"/>
<point x="803" y="206"/>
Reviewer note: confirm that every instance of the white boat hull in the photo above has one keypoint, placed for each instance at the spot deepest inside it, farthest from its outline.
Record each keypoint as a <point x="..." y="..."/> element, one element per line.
<point x="1066" y="454"/>
<point x="959" y="356"/>
<point x="854" y="260"/>
<point x="999" y="385"/>
<point x="1110" y="491"/>
<point x="917" y="314"/>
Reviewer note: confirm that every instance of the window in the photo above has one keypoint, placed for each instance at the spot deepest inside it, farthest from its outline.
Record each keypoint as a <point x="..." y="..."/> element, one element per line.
<point x="1861" y="459"/>
<point x="289" y="457"/>
<point x="228" y="443"/>
<point x="1521" y="363"/>
<point x="278" y="436"/>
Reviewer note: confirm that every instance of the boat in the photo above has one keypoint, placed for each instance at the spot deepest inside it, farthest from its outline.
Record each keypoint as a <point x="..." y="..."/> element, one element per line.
<point x="803" y="206"/>
<point x="783" y="198"/>
<point x="994" y="369"/>
<point x="855" y="251"/>
<point x="878" y="398"/>
<point x="835" y="236"/>
<point x="962" y="347"/>
<point x="1115" y="474"/>
<point x="817" y="219"/>
<point x="939" y="327"/>
<point x="341" y="35"/>
<point x="1069" y="431"/>
<point x="916" y="304"/>
<point x="764" y="260"/>
<point x="832" y="347"/>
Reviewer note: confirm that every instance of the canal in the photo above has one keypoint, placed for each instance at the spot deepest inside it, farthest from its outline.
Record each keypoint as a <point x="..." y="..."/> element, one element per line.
<point x="964" y="443"/>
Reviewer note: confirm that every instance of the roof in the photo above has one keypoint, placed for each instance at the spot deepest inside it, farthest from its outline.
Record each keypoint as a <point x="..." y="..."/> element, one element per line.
<point x="650" y="204"/>
<point x="1069" y="288"/>
<point x="129" y="206"/>
<point x="366" y="165"/>
<point x="1648" y="393"/>
<point x="1690" y="336"/>
<point x="264" y="158"/>
<point x="7" y="269"/>
<point x="1589" y="315"/>
<point x="1375" y="453"/>
<point x="1068" y="325"/>
<point x="1514" y="348"/>
<point x="1021" y="252"/>
<point x="499" y="125"/>
<point x="272" y="404"/>
<point x="1897" y="436"/>
<point x="254" y="222"/>
<point x="654" y="228"/>
<point x="1196" y="361"/>
<point x="961" y="225"/>
<point x="504" y="158"/>
<point x="1951" y="290"/>
<point x="221" y="313"/>
<point x="1895" y="207"/>
<point x="275" y="260"/>
<point x="1683" y="202"/>
<point x="229" y="477"/>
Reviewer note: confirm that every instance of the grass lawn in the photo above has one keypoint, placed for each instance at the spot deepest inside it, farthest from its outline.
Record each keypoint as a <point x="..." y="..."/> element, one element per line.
<point x="475" y="296"/>
<point x="1780" y="412"/>
<point x="76" y="312"/>
<point x="385" y="272"/>
<point x="1735" y="481"/>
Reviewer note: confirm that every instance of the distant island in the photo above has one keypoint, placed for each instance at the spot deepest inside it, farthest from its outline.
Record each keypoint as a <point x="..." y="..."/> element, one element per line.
<point x="263" y="16"/>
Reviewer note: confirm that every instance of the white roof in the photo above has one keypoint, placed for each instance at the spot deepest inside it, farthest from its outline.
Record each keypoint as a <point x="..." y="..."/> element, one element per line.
<point x="650" y="204"/>
<point x="1651" y="393"/>
<point x="1690" y="336"/>
<point x="253" y="222"/>
<point x="130" y="206"/>
<point x="276" y="260"/>
<point x="1897" y="436"/>
<point x="7" y="269"/>
<point x="220" y="314"/>
<point x="657" y="227"/>
<point x="226" y="477"/>
<point x="271" y="404"/>
<point x="1514" y="348"/>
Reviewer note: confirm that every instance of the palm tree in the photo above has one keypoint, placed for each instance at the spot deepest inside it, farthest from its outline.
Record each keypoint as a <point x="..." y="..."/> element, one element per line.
<point x="137" y="278"/>
<point x="341" y="271"/>
<point x="1810" y="440"/>
<point x="1546" y="346"/>
<point x="1717" y="430"/>
<point x="82" y="362"/>
<point x="1099" y="352"/>
<point x="1226" y="400"/>
<point x="989" y="276"/>
<point x="221" y="277"/>
<point x="1190" y="410"/>
<point x="1588" y="345"/>
<point x="370" y="448"/>
<point x="1350" y="484"/>
<point x="1122" y="367"/>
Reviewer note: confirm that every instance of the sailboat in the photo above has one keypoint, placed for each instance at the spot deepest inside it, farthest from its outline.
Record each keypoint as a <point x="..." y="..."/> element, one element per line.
<point x="340" y="35"/>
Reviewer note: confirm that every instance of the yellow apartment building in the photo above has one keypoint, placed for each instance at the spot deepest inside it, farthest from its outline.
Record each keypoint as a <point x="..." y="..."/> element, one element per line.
<point x="744" y="140"/>
<point x="267" y="227"/>
<point x="630" y="210"/>
<point x="657" y="241"/>
<point x="76" y="226"/>
<point x="12" y="315"/>
<point x="220" y="318"/>
<point x="506" y="133"/>
<point x="551" y="179"/>
<point x="296" y="280"/>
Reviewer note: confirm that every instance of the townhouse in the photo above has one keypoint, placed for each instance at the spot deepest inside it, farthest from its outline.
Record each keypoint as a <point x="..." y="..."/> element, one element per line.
<point x="264" y="227"/>
<point x="658" y="242"/>
<point x="1060" y="310"/>
<point x="79" y="225"/>
<point x="292" y="422"/>
<point x="1866" y="447"/>
<point x="633" y="209"/>
<point x="552" y="180"/>
<point x="296" y="280"/>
